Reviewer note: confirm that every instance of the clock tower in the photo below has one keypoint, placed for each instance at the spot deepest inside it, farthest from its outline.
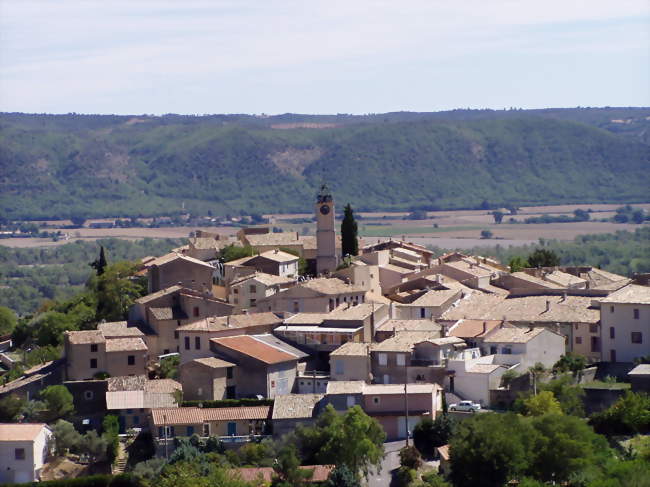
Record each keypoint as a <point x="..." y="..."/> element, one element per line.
<point x="326" y="259"/>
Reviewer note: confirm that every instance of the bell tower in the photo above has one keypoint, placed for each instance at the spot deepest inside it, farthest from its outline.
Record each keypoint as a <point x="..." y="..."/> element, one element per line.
<point x="326" y="259"/>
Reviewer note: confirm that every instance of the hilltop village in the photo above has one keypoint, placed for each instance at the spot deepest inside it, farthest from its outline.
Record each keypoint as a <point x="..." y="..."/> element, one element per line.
<point x="267" y="341"/>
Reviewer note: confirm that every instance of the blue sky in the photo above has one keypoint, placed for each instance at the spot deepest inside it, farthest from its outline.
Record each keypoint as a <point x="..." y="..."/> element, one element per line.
<point x="266" y="56"/>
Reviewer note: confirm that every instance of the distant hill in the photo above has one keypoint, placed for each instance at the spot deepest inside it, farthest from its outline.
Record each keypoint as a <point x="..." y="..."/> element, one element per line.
<point x="58" y="166"/>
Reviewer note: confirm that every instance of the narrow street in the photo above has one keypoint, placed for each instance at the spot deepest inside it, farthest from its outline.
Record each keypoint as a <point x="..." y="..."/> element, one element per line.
<point x="390" y="463"/>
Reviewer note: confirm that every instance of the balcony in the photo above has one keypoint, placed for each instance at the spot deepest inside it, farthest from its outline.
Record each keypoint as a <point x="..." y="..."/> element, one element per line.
<point x="425" y="362"/>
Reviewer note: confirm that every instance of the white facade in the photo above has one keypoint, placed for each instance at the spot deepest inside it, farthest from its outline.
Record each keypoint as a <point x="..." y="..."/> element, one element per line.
<point x="625" y="331"/>
<point x="21" y="460"/>
<point x="546" y="347"/>
<point x="474" y="378"/>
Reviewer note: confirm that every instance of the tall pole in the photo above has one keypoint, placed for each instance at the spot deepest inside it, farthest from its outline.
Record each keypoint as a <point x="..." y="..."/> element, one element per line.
<point x="165" y="435"/>
<point x="406" y="402"/>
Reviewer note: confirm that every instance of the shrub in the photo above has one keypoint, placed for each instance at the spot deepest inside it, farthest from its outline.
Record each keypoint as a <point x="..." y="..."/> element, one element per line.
<point x="410" y="457"/>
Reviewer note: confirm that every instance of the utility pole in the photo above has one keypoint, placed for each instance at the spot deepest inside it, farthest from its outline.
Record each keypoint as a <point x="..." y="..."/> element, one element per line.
<point x="406" y="402"/>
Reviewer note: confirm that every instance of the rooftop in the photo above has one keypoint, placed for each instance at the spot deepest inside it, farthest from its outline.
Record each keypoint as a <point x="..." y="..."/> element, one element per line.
<point x="168" y="313"/>
<point x="513" y="335"/>
<point x="278" y="256"/>
<point x="473" y="328"/>
<point x="630" y="294"/>
<point x="410" y="325"/>
<point x="220" y="323"/>
<point x="351" y="349"/>
<point x="85" y="337"/>
<point x="641" y="369"/>
<point x="213" y="362"/>
<point x="534" y="280"/>
<point x="294" y="406"/>
<point x="264" y="278"/>
<point x="20" y="431"/>
<point x="468" y="268"/>
<point x="193" y="415"/>
<point x="159" y="294"/>
<point x="326" y="285"/>
<point x="257" y="349"/>
<point x="125" y="345"/>
<point x="119" y="329"/>
<point x="271" y="239"/>
<point x="435" y="297"/>
<point x="345" y="386"/>
<point x="483" y="368"/>
<point x="320" y="473"/>
<point x="379" y="389"/>
<point x="403" y="341"/>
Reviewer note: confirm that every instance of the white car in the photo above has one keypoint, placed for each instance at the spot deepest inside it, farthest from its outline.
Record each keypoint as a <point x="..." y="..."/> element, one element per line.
<point x="468" y="406"/>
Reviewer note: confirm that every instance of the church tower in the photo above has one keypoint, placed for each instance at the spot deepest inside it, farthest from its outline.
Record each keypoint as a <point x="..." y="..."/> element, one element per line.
<point x="326" y="258"/>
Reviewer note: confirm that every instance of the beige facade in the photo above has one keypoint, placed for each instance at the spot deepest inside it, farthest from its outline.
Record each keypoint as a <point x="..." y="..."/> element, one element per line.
<point x="245" y="292"/>
<point x="625" y="324"/>
<point x="89" y="353"/>
<point x="23" y="451"/>
<point x="327" y="257"/>
<point x="175" y="269"/>
<point x="350" y="362"/>
<point x="208" y="379"/>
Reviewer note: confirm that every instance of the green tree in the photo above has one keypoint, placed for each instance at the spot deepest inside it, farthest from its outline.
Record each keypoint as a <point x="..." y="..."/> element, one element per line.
<point x="287" y="469"/>
<point x="111" y="428"/>
<point x="485" y="234"/>
<point x="341" y="476"/>
<point x="353" y="439"/>
<point x="48" y="328"/>
<point x="8" y="321"/>
<point x="517" y="263"/>
<point x="93" y="445"/>
<point x="116" y="290"/>
<point x="169" y="367"/>
<point x="537" y="372"/>
<point x="100" y="263"/>
<point x="66" y="437"/>
<point x="10" y="407"/>
<point x="431" y="433"/>
<point x="569" y="395"/>
<point x="542" y="403"/>
<point x="629" y="415"/>
<point x="233" y="252"/>
<point x="58" y="402"/>
<point x="409" y="457"/>
<point x="508" y="378"/>
<point x="498" y="216"/>
<point x="570" y="362"/>
<point x="543" y="258"/>
<point x="432" y="479"/>
<point x="349" y="233"/>
<point x="490" y="449"/>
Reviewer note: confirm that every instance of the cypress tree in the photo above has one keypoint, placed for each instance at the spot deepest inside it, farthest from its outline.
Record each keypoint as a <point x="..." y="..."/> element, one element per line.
<point x="100" y="263"/>
<point x="349" y="233"/>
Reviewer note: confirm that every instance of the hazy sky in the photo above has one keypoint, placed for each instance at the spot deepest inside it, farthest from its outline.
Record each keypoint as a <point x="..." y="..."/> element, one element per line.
<point x="310" y="56"/>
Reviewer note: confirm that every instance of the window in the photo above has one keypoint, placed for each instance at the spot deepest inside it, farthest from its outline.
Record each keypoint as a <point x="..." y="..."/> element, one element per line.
<point x="612" y="332"/>
<point x="252" y="289"/>
<point x="19" y="453"/>
<point x="636" y="313"/>
<point x="637" y="337"/>
<point x="375" y="400"/>
<point x="93" y="363"/>
<point x="197" y="343"/>
<point x="339" y="367"/>
<point x="253" y="303"/>
<point x="302" y="382"/>
<point x="423" y="312"/>
<point x="506" y="351"/>
<point x="350" y="401"/>
<point x="190" y="430"/>
<point x="383" y="359"/>
<point x="272" y="383"/>
<point x="401" y="359"/>
<point x="176" y="335"/>
<point x="611" y="309"/>
<point x="93" y="347"/>
<point x="578" y="340"/>
<point x="131" y="359"/>
<point x="199" y="391"/>
<point x="88" y="395"/>
<point x="296" y="307"/>
<point x="166" y="351"/>
<point x="229" y="373"/>
<point x="493" y="350"/>
<point x="187" y="343"/>
<point x="230" y="392"/>
<point x="235" y="290"/>
<point x="129" y="411"/>
<point x="196" y="311"/>
<point x="593" y="328"/>
<point x="206" y="429"/>
<point x="612" y="355"/>
<point x="136" y="420"/>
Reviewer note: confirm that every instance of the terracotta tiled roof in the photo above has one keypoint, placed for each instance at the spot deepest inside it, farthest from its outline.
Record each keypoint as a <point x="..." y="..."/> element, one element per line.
<point x="473" y="328"/>
<point x="20" y="431"/>
<point x="85" y="337"/>
<point x="200" y="415"/>
<point x="256" y="349"/>
<point x="125" y="345"/>
<point x="219" y="323"/>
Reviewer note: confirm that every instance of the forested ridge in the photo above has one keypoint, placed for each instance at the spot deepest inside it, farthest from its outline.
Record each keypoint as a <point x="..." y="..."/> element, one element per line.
<point x="56" y="166"/>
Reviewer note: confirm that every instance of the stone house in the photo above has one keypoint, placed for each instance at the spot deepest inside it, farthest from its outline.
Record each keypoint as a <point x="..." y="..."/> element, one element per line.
<point x="293" y="410"/>
<point x="350" y="362"/>
<point x="244" y="292"/>
<point x="266" y="366"/>
<point x="389" y="328"/>
<point x="24" y="449"/>
<point x="625" y="320"/>
<point x="526" y="347"/>
<point x="88" y="353"/>
<point x="208" y="379"/>
<point x="194" y="338"/>
<point x="173" y="269"/>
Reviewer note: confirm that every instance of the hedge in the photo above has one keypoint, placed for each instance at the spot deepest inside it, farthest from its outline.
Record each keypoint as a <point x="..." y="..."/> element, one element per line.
<point x="122" y="480"/>
<point x="228" y="403"/>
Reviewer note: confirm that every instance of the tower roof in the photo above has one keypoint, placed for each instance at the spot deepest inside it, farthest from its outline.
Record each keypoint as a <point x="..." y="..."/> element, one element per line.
<point x="324" y="194"/>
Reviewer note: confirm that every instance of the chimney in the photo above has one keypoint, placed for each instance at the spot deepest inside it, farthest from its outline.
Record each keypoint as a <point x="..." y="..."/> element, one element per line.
<point x="548" y="306"/>
<point x="564" y="296"/>
<point x="484" y="327"/>
<point x="228" y="321"/>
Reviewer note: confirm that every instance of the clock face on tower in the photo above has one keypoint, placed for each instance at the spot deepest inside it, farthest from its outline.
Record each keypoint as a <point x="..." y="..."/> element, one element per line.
<point x="325" y="209"/>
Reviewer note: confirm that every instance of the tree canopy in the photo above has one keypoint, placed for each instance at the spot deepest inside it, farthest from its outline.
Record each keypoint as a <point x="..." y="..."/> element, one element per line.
<point x="349" y="233"/>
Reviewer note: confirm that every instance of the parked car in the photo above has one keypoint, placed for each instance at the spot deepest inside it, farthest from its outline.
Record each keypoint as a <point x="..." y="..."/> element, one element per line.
<point x="467" y="406"/>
